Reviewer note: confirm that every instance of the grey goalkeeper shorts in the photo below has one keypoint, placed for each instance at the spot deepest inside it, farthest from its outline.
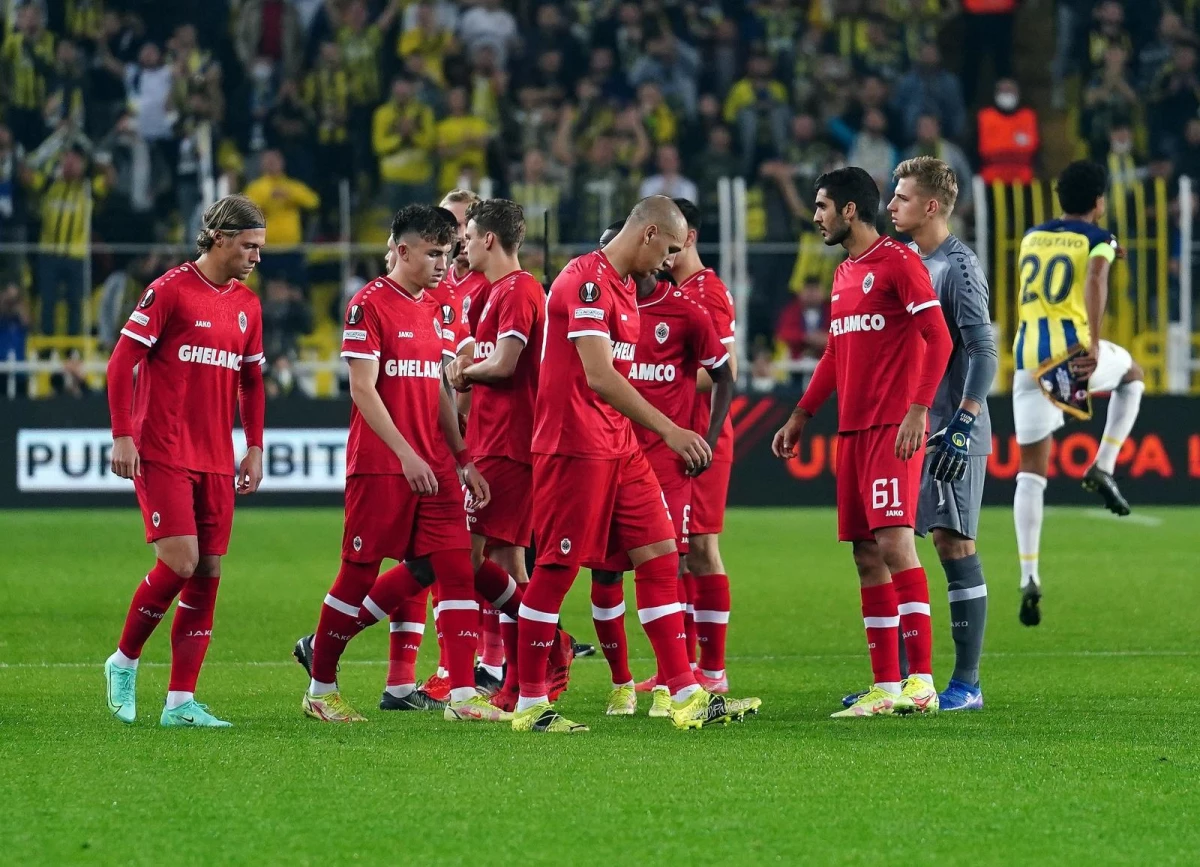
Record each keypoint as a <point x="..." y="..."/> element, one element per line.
<point x="952" y="505"/>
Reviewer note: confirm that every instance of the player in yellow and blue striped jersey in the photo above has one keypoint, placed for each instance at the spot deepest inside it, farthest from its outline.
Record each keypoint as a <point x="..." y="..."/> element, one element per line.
<point x="1061" y="360"/>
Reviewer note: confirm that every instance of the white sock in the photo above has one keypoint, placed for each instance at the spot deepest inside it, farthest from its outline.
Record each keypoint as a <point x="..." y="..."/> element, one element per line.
<point x="1122" y="413"/>
<point x="401" y="690"/>
<point x="685" y="693"/>
<point x="317" y="688"/>
<point x="524" y="703"/>
<point x="619" y="685"/>
<point x="928" y="678"/>
<point x="441" y="672"/>
<point x="463" y="693"/>
<point x="1027" y="516"/>
<point x="495" y="671"/>
<point x="713" y="675"/>
<point x="175" y="699"/>
<point x="122" y="660"/>
<point x="889" y="686"/>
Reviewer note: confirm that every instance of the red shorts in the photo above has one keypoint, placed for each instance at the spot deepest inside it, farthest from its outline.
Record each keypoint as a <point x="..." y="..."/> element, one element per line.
<point x="587" y="509"/>
<point x="678" y="500"/>
<point x="875" y="489"/>
<point x="508" y="518"/>
<point x="385" y="519"/>
<point x="710" y="490"/>
<point x="179" y="502"/>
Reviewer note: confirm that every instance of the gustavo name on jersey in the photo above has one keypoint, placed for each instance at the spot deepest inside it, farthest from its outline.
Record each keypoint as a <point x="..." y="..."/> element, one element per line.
<point x="412" y="367"/>
<point x="857" y="322"/>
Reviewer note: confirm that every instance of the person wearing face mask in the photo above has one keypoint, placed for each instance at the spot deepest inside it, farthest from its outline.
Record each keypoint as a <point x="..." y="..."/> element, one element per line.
<point x="1008" y="137"/>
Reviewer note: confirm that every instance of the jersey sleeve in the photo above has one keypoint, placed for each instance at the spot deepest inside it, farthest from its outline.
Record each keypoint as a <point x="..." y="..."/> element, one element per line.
<point x="361" y="337"/>
<point x="515" y="315"/>
<point x="712" y="353"/>
<point x="252" y="350"/>
<point x="720" y="305"/>
<point x="913" y="286"/>
<point x="152" y="311"/>
<point x="969" y="291"/>
<point x="589" y="307"/>
<point x="1102" y="243"/>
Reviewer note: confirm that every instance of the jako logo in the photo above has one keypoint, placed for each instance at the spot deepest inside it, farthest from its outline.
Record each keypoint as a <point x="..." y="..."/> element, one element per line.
<point x="153" y="615"/>
<point x="858" y="322"/>
<point x="644" y="372"/>
<point x="542" y="644"/>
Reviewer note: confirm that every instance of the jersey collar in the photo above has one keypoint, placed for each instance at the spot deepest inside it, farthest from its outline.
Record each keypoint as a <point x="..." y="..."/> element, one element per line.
<point x="661" y="290"/>
<point x="216" y="287"/>
<point x="867" y="252"/>
<point x="400" y="289"/>
<point x="696" y="276"/>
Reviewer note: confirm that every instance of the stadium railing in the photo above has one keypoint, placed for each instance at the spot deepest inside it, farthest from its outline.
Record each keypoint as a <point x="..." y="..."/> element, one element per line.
<point x="1150" y="291"/>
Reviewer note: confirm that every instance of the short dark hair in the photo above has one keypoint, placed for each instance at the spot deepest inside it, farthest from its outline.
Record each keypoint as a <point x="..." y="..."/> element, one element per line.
<point x="503" y="218"/>
<point x="435" y="225"/>
<point x="690" y="212"/>
<point x="1080" y="185"/>
<point x="851" y="184"/>
<point x="611" y="231"/>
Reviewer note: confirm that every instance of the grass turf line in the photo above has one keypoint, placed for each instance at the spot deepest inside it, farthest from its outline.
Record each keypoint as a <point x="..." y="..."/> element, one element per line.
<point x="1086" y="749"/>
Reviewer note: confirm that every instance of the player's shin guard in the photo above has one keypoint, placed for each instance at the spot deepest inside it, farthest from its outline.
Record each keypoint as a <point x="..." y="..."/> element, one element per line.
<point x="1028" y="508"/>
<point x="458" y="614"/>
<point x="538" y="624"/>
<point x="608" y="614"/>
<point x="151" y="600"/>
<point x="968" y="615"/>
<point x="339" y="617"/>
<point x="406" y="630"/>
<point x="916" y="627"/>
<point x="712" y="621"/>
<point x="881" y="619"/>
<point x="687" y="598"/>
<point x="656" y="585"/>
<point x="191" y="631"/>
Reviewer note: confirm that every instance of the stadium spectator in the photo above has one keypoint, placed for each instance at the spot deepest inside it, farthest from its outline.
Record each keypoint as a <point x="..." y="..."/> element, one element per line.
<point x="14" y="179"/>
<point x="403" y="137"/>
<point x="286" y="316"/>
<point x="600" y="190"/>
<point x="538" y="196"/>
<point x="930" y="143"/>
<point x="1187" y="162"/>
<point x="929" y="89"/>
<point x="26" y="56"/>
<point x="1174" y="97"/>
<point x="462" y="140"/>
<point x="71" y="379"/>
<point x="1125" y="165"/>
<point x="1156" y="53"/>
<point x="1107" y="30"/>
<point x="660" y="122"/>
<point x="870" y="94"/>
<point x="269" y="30"/>
<point x="803" y="325"/>
<point x="431" y="39"/>
<point x="14" y="335"/>
<point x="1109" y="99"/>
<point x="66" y="216"/>
<point x="715" y="162"/>
<point x="674" y="66"/>
<point x="1008" y="137"/>
<point x="283" y="200"/>
<point x="551" y="28"/>
<point x="758" y="106"/>
<point x="873" y="151"/>
<point x="806" y="158"/>
<point x="668" y="182"/>
<point x="487" y="23"/>
<point x="988" y="34"/>
<point x="290" y="127"/>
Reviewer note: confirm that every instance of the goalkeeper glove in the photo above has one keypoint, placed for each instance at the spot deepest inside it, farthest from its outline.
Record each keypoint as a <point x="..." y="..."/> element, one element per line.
<point x="949" y="448"/>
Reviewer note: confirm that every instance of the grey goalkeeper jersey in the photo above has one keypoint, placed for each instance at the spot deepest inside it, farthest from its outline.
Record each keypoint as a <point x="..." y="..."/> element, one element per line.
<point x="963" y="291"/>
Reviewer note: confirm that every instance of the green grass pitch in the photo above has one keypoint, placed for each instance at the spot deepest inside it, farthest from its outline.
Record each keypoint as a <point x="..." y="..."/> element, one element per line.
<point x="1087" y="751"/>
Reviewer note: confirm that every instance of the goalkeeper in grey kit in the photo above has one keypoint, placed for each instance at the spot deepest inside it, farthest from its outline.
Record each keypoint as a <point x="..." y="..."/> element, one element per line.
<point x="957" y="452"/>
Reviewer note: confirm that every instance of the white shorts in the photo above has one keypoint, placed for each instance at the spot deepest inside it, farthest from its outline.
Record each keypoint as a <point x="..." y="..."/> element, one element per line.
<point x="1035" y="417"/>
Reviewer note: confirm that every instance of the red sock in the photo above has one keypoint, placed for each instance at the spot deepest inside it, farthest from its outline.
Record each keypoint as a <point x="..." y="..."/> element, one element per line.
<point x="656" y="585"/>
<point x="404" y="642"/>
<point x="191" y="631"/>
<point x="916" y="628"/>
<point x="712" y="621"/>
<point x="538" y="624"/>
<point x="437" y="627"/>
<point x="500" y="589"/>
<point x="339" y="617"/>
<point x="608" y="614"/>
<point x="512" y="671"/>
<point x="882" y="622"/>
<point x="392" y="590"/>
<point x="151" y="600"/>
<point x="687" y="598"/>
<point x="459" y="614"/>
<point x="493" y="644"/>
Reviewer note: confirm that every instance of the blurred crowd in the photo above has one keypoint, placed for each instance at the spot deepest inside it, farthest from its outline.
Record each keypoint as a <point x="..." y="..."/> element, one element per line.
<point x="121" y="116"/>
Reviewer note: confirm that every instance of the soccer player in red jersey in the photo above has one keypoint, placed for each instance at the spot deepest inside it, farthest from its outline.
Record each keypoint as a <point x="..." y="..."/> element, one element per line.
<point x="677" y="340"/>
<point x="195" y="338"/>
<point x="888" y="348"/>
<point x="403" y="498"/>
<point x="471" y="286"/>
<point x="594" y="492"/>
<point x="502" y="377"/>
<point x="705" y="579"/>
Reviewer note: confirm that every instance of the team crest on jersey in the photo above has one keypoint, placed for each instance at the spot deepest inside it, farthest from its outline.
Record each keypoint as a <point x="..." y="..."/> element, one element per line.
<point x="156" y="519"/>
<point x="661" y="332"/>
<point x="868" y="282"/>
<point x="354" y="315"/>
<point x="147" y="299"/>
<point x="437" y="328"/>
<point x="467" y="306"/>
<point x="589" y="292"/>
<point x="357" y="543"/>
<point x="447" y="314"/>
<point x="242" y="321"/>
<point x="565" y="546"/>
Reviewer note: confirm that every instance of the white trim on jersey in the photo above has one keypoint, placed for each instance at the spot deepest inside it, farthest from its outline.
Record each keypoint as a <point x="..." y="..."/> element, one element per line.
<point x="571" y="335"/>
<point x="714" y="363"/>
<point x="464" y="342"/>
<point x="918" y="308"/>
<point x="517" y="334"/>
<point x="728" y="340"/>
<point x="258" y="356"/>
<point x="149" y="341"/>
<point x="348" y="354"/>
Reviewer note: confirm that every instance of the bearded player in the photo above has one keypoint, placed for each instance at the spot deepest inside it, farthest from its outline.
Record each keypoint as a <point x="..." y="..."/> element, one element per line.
<point x="594" y="492"/>
<point x="956" y="466"/>
<point x="403" y="494"/>
<point x="888" y="348"/>
<point x="502" y="378"/>
<point x="676" y="341"/>
<point x="195" y="338"/>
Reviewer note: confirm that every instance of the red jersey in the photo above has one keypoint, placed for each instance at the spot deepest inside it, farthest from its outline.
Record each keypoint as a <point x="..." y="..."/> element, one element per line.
<point x="587" y="299"/>
<point x="200" y="334"/>
<point x="472" y="289"/>
<point x="455" y="333"/>
<point x="875" y="339"/>
<point x="404" y="334"/>
<point x="501" y="419"/>
<point x="710" y="290"/>
<point x="677" y="338"/>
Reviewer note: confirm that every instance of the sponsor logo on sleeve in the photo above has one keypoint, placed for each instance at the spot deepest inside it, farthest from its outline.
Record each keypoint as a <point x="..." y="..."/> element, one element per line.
<point x="354" y="334"/>
<point x="589" y="313"/>
<point x="139" y="318"/>
<point x="589" y="293"/>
